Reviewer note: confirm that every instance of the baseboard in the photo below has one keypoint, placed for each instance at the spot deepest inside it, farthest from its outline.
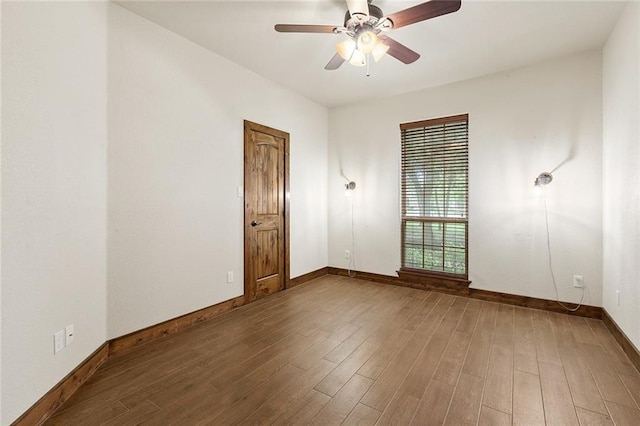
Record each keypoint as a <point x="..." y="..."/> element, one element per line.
<point x="52" y="400"/>
<point x="308" y="277"/>
<point x="627" y="346"/>
<point x="60" y="393"/>
<point x="491" y="296"/>
<point x="154" y="332"/>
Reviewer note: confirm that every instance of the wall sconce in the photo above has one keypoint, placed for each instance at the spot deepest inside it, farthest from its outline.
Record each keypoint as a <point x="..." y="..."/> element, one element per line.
<point x="349" y="187"/>
<point x="543" y="178"/>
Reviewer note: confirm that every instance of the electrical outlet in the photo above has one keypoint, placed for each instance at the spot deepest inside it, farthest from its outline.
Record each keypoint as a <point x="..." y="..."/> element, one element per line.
<point x="578" y="281"/>
<point x="618" y="297"/>
<point x="58" y="341"/>
<point x="230" y="277"/>
<point x="347" y="254"/>
<point x="69" y="335"/>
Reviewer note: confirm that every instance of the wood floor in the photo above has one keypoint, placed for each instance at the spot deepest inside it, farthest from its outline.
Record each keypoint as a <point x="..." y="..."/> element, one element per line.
<point x="343" y="351"/>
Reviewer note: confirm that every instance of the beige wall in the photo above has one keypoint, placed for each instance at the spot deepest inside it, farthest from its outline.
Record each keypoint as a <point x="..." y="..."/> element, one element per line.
<point x="54" y="100"/>
<point x="621" y="164"/>
<point x="176" y="115"/>
<point x="521" y="122"/>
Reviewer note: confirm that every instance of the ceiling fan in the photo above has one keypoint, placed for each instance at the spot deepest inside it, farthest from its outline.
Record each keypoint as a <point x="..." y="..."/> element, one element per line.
<point x="364" y="25"/>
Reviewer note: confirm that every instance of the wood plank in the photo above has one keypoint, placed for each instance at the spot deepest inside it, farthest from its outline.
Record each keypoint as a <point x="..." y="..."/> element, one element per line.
<point x="381" y="358"/>
<point x="609" y="383"/>
<point x="470" y="317"/>
<point x="503" y="333"/>
<point x="526" y="362"/>
<point x="89" y="415"/>
<point x="334" y="381"/>
<point x="400" y="411"/>
<point x="339" y="407"/>
<point x="415" y="319"/>
<point x="242" y="408"/>
<point x="546" y="344"/>
<point x="632" y="382"/>
<point x="429" y="359"/>
<point x="383" y="389"/>
<point x="465" y="404"/>
<point x="581" y="330"/>
<point x="362" y="415"/>
<point x="583" y="387"/>
<point x="453" y="357"/>
<point x="402" y="406"/>
<point x="527" y="399"/>
<point x="303" y="412"/>
<point x="259" y="364"/>
<point x="434" y="404"/>
<point x="498" y="385"/>
<point x="477" y="358"/>
<point x="133" y="416"/>
<point x="590" y="418"/>
<point x="623" y="415"/>
<point x="286" y="399"/>
<point x="617" y="355"/>
<point x="524" y="346"/>
<point x="491" y="417"/>
<point x="558" y="406"/>
<point x="347" y="346"/>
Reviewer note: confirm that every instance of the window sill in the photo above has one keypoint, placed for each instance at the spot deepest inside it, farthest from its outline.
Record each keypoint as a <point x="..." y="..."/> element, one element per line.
<point x="433" y="280"/>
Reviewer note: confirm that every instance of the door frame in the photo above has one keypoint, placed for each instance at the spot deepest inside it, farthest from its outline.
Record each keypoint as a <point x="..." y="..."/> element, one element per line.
<point x="248" y="127"/>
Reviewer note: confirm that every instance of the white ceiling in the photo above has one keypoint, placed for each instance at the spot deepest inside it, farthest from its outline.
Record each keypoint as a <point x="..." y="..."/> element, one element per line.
<point x="483" y="37"/>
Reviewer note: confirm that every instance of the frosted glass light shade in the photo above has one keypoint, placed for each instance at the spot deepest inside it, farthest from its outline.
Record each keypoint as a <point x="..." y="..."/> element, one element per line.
<point x="367" y="41"/>
<point x="358" y="59"/>
<point x="346" y="48"/>
<point x="379" y="51"/>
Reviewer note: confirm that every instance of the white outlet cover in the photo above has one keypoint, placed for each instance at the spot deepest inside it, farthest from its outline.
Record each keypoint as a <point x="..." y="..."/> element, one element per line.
<point x="58" y="341"/>
<point x="230" y="276"/>
<point x="69" y="335"/>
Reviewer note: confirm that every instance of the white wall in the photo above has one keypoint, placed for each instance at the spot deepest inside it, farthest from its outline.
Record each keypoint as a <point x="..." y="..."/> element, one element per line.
<point x="175" y="155"/>
<point x="621" y="168"/>
<point x="54" y="100"/>
<point x="521" y="123"/>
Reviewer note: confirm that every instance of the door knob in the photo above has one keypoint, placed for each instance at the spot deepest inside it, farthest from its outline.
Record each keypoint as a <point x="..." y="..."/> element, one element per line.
<point x="254" y="223"/>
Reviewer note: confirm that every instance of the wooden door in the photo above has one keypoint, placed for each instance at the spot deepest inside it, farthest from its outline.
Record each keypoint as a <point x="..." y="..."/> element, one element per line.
<point x="266" y="210"/>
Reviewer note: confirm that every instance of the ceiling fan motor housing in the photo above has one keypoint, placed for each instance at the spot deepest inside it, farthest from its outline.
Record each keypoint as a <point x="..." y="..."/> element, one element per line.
<point x="375" y="14"/>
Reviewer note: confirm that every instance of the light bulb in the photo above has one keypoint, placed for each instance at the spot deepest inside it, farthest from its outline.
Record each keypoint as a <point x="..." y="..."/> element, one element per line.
<point x="346" y="48"/>
<point x="367" y="41"/>
<point x="379" y="51"/>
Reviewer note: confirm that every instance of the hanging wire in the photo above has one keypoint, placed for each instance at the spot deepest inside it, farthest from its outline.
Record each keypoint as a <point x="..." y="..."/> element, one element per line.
<point x="553" y="277"/>
<point x="352" y="257"/>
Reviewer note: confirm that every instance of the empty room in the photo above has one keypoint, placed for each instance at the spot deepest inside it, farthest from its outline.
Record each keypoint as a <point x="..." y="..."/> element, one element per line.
<point x="320" y="212"/>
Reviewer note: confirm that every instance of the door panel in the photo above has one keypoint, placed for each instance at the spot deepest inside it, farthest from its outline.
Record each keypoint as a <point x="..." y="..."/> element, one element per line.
<point x="266" y="210"/>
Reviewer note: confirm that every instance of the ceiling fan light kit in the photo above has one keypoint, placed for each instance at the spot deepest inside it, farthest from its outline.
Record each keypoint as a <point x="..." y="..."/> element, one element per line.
<point x="364" y="24"/>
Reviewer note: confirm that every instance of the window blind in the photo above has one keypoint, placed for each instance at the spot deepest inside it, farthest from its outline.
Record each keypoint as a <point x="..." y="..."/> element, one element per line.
<point x="435" y="180"/>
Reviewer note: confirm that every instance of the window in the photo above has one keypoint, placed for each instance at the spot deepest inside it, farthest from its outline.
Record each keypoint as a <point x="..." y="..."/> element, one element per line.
<point x="435" y="181"/>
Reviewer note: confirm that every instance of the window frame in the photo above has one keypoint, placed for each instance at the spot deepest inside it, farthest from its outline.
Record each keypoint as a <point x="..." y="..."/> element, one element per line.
<point x="417" y="274"/>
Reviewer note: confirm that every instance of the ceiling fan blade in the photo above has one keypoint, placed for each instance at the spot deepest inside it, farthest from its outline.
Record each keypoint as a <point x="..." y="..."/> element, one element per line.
<point x="399" y="50"/>
<point x="358" y="7"/>
<point x="335" y="62"/>
<point x="424" y="11"/>
<point x="302" y="28"/>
